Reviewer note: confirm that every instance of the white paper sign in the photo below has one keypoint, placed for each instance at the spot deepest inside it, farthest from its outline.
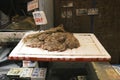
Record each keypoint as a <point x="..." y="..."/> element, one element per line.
<point x="39" y="17"/>
<point x="32" y="5"/>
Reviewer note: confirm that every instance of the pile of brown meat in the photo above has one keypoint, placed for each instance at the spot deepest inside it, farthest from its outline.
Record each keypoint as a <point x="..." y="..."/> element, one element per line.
<point x="54" y="39"/>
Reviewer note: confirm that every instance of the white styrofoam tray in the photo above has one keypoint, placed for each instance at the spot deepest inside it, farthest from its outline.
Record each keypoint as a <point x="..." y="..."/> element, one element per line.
<point x="90" y="50"/>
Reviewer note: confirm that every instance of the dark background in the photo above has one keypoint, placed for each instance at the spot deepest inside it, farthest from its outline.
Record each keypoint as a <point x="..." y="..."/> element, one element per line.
<point x="13" y="7"/>
<point x="105" y="25"/>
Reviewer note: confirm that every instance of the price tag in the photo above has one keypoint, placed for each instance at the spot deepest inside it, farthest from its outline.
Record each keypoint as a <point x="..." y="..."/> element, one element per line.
<point x="39" y="17"/>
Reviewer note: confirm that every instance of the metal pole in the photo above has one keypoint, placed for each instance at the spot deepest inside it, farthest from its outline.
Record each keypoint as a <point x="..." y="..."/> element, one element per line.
<point x="92" y="16"/>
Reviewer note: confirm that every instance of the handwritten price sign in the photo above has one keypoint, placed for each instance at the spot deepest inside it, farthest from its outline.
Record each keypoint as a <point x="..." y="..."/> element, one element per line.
<point x="39" y="17"/>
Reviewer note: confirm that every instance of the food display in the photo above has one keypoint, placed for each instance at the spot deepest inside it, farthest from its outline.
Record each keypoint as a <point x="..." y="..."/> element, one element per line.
<point x="35" y="47"/>
<point x="54" y="39"/>
<point x="56" y="44"/>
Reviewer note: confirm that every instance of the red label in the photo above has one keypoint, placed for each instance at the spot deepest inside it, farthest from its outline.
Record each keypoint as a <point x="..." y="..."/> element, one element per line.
<point x="39" y="20"/>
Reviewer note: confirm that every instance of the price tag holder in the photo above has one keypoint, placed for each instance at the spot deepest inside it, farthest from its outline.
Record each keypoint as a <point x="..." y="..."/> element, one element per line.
<point x="39" y="18"/>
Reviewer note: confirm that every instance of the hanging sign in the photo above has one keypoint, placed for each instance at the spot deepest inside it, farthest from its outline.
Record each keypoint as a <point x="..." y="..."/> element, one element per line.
<point x="32" y="5"/>
<point x="39" y="17"/>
